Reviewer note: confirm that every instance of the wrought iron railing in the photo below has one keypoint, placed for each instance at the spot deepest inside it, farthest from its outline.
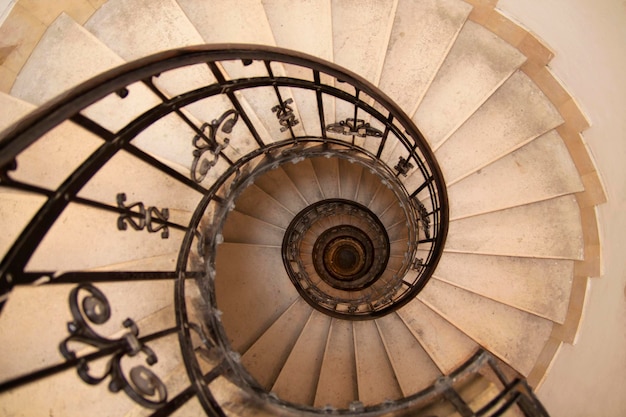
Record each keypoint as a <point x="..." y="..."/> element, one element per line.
<point x="318" y="109"/>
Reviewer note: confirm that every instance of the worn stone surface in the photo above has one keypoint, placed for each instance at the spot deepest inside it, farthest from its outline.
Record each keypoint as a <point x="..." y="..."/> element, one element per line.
<point x="478" y="63"/>
<point x="541" y="170"/>
<point x="375" y="376"/>
<point x="515" y="336"/>
<point x="515" y="114"/>
<point x="548" y="229"/>
<point x="539" y="286"/>
<point x="422" y="35"/>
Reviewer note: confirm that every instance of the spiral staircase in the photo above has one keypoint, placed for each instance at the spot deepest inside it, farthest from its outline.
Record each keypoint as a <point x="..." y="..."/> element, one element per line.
<point x="268" y="233"/>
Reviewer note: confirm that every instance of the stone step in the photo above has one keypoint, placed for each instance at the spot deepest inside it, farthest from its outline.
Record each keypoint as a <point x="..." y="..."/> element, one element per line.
<point x="127" y="27"/>
<point x="112" y="245"/>
<point x="277" y="184"/>
<point x="240" y="21"/>
<point x="446" y="345"/>
<point x="302" y="175"/>
<point x="266" y="357"/>
<point x="254" y="202"/>
<point x="361" y="47"/>
<point x="241" y="228"/>
<point x="423" y="33"/>
<point x="16" y="211"/>
<point x="478" y="63"/>
<point x="141" y="182"/>
<point x="176" y="382"/>
<point x="538" y="286"/>
<point x="412" y="366"/>
<point x="513" y="335"/>
<point x="39" y="397"/>
<point x="337" y="385"/>
<point x="547" y="229"/>
<point x="376" y="379"/>
<point x="66" y="44"/>
<point x="304" y="26"/>
<point x="327" y="175"/>
<point x="166" y="262"/>
<point x="350" y="175"/>
<point x="515" y="114"/>
<point x="238" y="291"/>
<point x="299" y="376"/>
<point x="540" y="170"/>
<point x="29" y="354"/>
<point x="51" y="159"/>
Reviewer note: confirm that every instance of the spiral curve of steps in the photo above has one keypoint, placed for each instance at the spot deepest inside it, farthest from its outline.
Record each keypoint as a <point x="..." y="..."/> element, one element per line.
<point x="521" y="243"/>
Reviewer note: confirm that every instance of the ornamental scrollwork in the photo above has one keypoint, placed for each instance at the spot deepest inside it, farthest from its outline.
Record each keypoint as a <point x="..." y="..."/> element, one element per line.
<point x="89" y="305"/>
<point x="145" y="218"/>
<point x="350" y="127"/>
<point x="403" y="166"/>
<point x="207" y="142"/>
<point x="285" y="115"/>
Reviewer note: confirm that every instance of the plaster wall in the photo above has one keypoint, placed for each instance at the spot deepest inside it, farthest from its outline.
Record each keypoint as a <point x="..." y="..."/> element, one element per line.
<point x="589" y="40"/>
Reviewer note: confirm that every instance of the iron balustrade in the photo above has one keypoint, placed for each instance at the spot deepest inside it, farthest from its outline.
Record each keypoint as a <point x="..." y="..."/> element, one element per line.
<point x="375" y="131"/>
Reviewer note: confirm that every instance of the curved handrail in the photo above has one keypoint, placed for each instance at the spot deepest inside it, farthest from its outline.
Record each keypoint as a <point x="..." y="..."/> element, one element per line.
<point x="68" y="106"/>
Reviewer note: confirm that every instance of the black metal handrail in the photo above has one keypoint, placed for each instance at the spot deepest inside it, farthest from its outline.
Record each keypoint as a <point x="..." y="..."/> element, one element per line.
<point x="376" y="130"/>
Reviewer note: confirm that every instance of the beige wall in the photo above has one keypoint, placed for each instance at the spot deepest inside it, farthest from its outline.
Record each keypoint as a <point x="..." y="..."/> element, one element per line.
<point x="589" y="39"/>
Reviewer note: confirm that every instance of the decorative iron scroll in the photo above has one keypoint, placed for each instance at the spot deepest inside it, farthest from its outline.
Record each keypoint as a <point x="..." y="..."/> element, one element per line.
<point x="403" y="166"/>
<point x="285" y="115"/>
<point x="207" y="142"/>
<point x="146" y="217"/>
<point x="143" y="386"/>
<point x="423" y="218"/>
<point x="350" y="128"/>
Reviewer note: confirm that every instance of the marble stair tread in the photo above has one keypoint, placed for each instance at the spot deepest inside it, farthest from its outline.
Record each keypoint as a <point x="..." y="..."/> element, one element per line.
<point x="268" y="354"/>
<point x="127" y="27"/>
<point x="16" y="211"/>
<point x="237" y="288"/>
<point x="51" y="159"/>
<point x="337" y="385"/>
<point x="540" y="170"/>
<point x="349" y="175"/>
<point x="165" y="262"/>
<point x="327" y="175"/>
<point x="312" y="22"/>
<point x="299" y="376"/>
<point x="478" y="63"/>
<point x="515" y="114"/>
<point x="279" y="186"/>
<point x="111" y="246"/>
<point x="302" y="175"/>
<point x="241" y="228"/>
<point x="447" y="346"/>
<point x="241" y="21"/>
<point x="361" y="47"/>
<point x="254" y="202"/>
<point x="375" y="375"/>
<point x="413" y="367"/>
<point x="547" y="229"/>
<point x="72" y="46"/>
<point x="538" y="286"/>
<point x="136" y="300"/>
<point x="37" y="398"/>
<point x="513" y="335"/>
<point x="141" y="182"/>
<point x="423" y="33"/>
